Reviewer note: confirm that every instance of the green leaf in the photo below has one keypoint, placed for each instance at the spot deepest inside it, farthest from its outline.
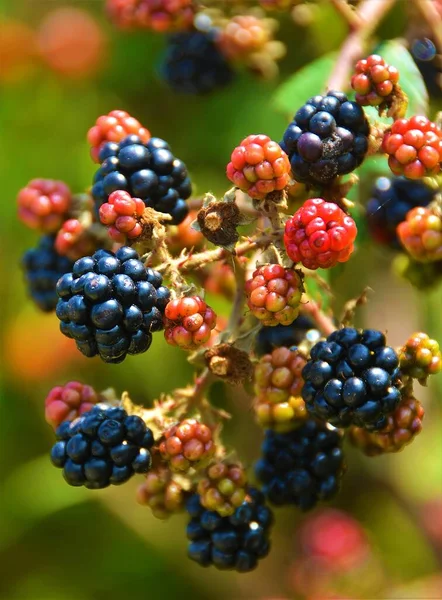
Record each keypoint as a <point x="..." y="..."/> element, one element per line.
<point x="306" y="82"/>
<point x="411" y="81"/>
<point x="316" y="290"/>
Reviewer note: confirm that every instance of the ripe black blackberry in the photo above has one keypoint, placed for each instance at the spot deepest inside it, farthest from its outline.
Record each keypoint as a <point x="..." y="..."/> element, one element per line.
<point x="43" y="267"/>
<point x="352" y="379"/>
<point x="269" y="338"/>
<point x="103" y="447"/>
<point x="146" y="170"/>
<point x="391" y="199"/>
<point x="302" y="466"/>
<point x="236" y="542"/>
<point x="327" y="137"/>
<point x="193" y="64"/>
<point x="111" y="303"/>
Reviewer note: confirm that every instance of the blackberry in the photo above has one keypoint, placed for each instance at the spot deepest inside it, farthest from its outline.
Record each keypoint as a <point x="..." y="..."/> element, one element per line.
<point x="327" y="137"/>
<point x="283" y="335"/>
<point x="43" y="267"/>
<point x="390" y="201"/>
<point x="102" y="447"/>
<point x="145" y="170"/>
<point x="352" y="379"/>
<point x="193" y="64"/>
<point x="302" y="466"/>
<point x="236" y="542"/>
<point x="111" y="303"/>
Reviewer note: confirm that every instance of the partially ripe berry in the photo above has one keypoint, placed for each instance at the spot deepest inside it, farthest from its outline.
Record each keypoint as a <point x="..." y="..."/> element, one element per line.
<point x="420" y="357"/>
<point x="223" y="488"/>
<point x="259" y="166"/>
<point x="274" y="294"/>
<point x="69" y="401"/>
<point x="414" y="147"/>
<point x="161" y="493"/>
<point x="319" y="235"/>
<point x="188" y="322"/>
<point x="421" y="234"/>
<point x="43" y="204"/>
<point x="187" y="444"/>
<point x="114" y="127"/>
<point x="402" y="427"/>
<point x="121" y="214"/>
<point x="74" y="240"/>
<point x="243" y="35"/>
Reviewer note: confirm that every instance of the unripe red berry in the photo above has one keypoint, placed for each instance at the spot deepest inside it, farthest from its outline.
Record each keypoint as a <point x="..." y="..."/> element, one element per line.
<point x="187" y="444"/>
<point x="67" y="402"/>
<point x="43" y="204"/>
<point x="223" y="488"/>
<point x="374" y="81"/>
<point x="414" y="147"/>
<point x="74" y="240"/>
<point x="402" y="427"/>
<point x="121" y="214"/>
<point x="319" y="235"/>
<point x="420" y="357"/>
<point x="157" y="15"/>
<point x="421" y="234"/>
<point x="114" y="127"/>
<point x="274" y="294"/>
<point x="188" y="322"/>
<point x="259" y="166"/>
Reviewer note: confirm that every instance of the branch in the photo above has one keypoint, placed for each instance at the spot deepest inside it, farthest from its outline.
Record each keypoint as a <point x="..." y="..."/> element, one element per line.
<point x="369" y="15"/>
<point x="324" y="323"/>
<point x="347" y="12"/>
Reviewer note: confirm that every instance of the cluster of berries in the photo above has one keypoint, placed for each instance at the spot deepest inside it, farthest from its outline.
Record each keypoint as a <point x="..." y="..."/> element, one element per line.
<point x="309" y="392"/>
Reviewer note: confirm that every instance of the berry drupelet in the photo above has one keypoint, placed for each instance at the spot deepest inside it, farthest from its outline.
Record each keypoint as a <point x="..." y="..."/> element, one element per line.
<point x="236" y="542"/>
<point x="67" y="402"/>
<point x="102" y="447"/>
<point x="114" y="127"/>
<point x="319" y="235"/>
<point x="110" y="304"/>
<point x="352" y="378"/>
<point x="420" y="357"/>
<point x="274" y="294"/>
<point x="193" y="64"/>
<point x="391" y="199"/>
<point x="122" y="216"/>
<point x="402" y="427"/>
<point x="145" y="170"/>
<point x="421" y="234"/>
<point x="43" y="267"/>
<point x="277" y="386"/>
<point x="259" y="166"/>
<point x="302" y="466"/>
<point x="187" y="444"/>
<point x="414" y="147"/>
<point x="328" y="137"/>
<point x="269" y="338"/>
<point x="43" y="204"/>
<point x="188" y="322"/>
<point x="374" y="81"/>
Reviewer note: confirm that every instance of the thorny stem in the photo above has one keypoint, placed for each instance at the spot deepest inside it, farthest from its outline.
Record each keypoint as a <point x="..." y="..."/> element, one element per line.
<point x="196" y="261"/>
<point x="347" y="12"/>
<point x="325" y="324"/>
<point x="369" y="14"/>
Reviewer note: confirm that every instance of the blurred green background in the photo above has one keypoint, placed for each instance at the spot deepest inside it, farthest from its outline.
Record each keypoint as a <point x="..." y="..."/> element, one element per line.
<point x="62" y="543"/>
